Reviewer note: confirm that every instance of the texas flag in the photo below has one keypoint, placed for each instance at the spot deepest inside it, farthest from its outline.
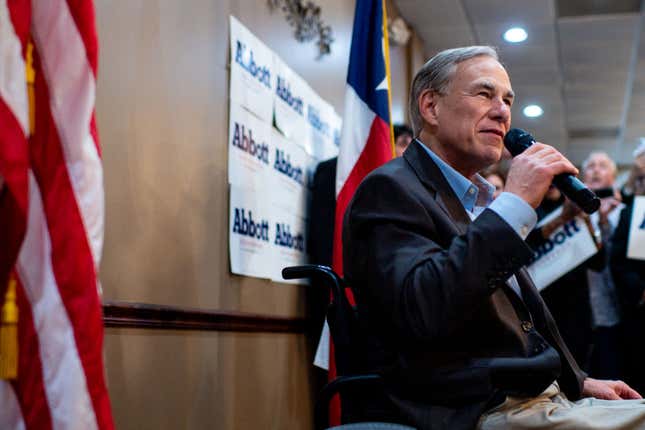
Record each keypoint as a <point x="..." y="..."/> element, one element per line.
<point x="366" y="138"/>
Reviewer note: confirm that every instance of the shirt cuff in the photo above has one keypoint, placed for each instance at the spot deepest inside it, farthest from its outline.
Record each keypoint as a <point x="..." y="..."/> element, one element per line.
<point x="518" y="214"/>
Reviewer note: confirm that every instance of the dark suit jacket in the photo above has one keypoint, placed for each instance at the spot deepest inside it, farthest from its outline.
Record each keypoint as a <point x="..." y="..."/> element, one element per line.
<point x="449" y="336"/>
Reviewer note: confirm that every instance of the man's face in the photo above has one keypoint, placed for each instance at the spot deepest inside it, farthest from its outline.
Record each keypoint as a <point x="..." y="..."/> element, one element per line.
<point x="599" y="172"/>
<point x="473" y="116"/>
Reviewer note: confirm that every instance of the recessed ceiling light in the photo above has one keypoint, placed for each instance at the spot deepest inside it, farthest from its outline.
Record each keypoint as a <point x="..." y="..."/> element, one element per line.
<point x="515" y="35"/>
<point x="532" y="111"/>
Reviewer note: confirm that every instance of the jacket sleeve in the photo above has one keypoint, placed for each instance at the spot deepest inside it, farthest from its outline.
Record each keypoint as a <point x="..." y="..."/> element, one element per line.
<point x="430" y="280"/>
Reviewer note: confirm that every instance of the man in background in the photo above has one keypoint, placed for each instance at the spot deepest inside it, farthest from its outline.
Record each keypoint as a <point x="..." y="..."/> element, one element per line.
<point x="599" y="174"/>
<point x="402" y="137"/>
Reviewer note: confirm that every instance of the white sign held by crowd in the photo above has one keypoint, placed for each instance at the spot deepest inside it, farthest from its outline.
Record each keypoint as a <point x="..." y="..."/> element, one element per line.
<point x="563" y="251"/>
<point x="636" y="244"/>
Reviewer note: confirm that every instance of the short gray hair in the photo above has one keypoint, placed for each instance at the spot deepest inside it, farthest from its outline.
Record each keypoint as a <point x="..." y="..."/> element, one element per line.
<point x="612" y="163"/>
<point x="436" y="75"/>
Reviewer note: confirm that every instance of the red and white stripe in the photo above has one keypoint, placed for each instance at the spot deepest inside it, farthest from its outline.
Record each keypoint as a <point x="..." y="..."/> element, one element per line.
<point x="61" y="382"/>
<point x="363" y="147"/>
<point x="14" y="127"/>
<point x="13" y="87"/>
<point x="71" y="81"/>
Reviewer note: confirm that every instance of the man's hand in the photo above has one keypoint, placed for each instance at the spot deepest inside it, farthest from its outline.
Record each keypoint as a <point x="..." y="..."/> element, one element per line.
<point x="569" y="211"/>
<point x="608" y="390"/>
<point x="533" y="170"/>
<point x="607" y="205"/>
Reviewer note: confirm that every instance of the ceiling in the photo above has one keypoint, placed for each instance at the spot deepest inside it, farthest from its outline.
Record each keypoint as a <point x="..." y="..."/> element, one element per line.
<point x="583" y="63"/>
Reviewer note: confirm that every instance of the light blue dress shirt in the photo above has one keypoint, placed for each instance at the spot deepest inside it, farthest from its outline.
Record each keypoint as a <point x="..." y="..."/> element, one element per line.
<point x="477" y="195"/>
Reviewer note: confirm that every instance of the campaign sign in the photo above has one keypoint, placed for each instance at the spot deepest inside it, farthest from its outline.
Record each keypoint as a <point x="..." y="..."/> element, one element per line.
<point x="288" y="241"/>
<point x="290" y="91"/>
<point x="249" y="150"/>
<point x="562" y="252"/>
<point x="292" y="172"/>
<point x="323" y="128"/>
<point x="252" y="72"/>
<point x="636" y="242"/>
<point x="329" y="147"/>
<point x="251" y="234"/>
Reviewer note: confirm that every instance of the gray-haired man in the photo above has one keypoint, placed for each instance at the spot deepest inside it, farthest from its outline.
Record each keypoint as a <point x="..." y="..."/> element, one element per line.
<point x="454" y="323"/>
<point x="599" y="173"/>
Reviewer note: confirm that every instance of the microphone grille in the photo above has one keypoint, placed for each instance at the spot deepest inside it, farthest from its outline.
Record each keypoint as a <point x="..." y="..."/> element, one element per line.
<point x="517" y="140"/>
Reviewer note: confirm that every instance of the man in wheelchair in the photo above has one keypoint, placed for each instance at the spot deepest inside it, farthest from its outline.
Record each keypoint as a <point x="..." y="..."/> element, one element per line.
<point x="453" y="321"/>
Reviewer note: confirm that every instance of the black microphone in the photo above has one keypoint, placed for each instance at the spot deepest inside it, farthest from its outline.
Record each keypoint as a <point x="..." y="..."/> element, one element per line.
<point x="517" y="140"/>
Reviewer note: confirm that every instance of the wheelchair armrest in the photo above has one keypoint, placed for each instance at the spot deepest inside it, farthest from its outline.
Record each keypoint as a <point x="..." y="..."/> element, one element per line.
<point x="323" y="273"/>
<point x="342" y="384"/>
<point x="305" y="271"/>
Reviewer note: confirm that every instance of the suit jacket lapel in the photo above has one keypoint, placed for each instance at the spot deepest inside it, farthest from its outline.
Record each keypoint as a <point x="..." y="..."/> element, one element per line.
<point x="432" y="178"/>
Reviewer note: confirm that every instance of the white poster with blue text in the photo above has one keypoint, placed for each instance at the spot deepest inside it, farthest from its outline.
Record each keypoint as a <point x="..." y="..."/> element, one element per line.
<point x="252" y="72"/>
<point x="279" y="129"/>
<point x="292" y="174"/>
<point x="289" y="239"/>
<point x="249" y="150"/>
<point x="323" y="132"/>
<point x="263" y="237"/>
<point x="250" y="236"/>
<point x="636" y="241"/>
<point x="289" y="102"/>
<point x="563" y="251"/>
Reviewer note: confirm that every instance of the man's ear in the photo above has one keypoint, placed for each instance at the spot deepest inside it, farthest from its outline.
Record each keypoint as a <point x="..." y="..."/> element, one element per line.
<point x="428" y="107"/>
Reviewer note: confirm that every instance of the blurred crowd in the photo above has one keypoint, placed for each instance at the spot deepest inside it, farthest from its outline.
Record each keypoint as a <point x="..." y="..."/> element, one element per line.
<point x="599" y="306"/>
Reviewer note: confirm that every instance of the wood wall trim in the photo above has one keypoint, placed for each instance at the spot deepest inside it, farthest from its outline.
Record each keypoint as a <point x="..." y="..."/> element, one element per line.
<point x="150" y="316"/>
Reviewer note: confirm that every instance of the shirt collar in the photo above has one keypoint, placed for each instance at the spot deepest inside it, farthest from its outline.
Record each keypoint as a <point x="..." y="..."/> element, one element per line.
<point x="479" y="192"/>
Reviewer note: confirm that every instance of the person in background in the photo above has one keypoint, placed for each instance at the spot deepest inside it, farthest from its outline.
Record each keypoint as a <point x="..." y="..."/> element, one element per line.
<point x="495" y="177"/>
<point x="599" y="174"/>
<point x="627" y="192"/>
<point x="402" y="137"/>
<point x="629" y="278"/>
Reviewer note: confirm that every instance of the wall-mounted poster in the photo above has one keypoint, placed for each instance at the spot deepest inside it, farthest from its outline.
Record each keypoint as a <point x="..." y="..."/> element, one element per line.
<point x="252" y="72"/>
<point x="289" y="102"/>
<point x="250" y="238"/>
<point x="292" y="171"/>
<point x="279" y="129"/>
<point x="323" y="128"/>
<point x="249" y="149"/>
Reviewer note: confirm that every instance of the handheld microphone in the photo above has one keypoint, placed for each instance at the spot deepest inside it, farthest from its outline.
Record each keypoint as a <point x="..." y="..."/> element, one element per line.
<point x="517" y="140"/>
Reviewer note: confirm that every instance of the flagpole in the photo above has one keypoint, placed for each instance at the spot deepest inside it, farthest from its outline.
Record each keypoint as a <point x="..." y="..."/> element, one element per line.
<point x="386" y="49"/>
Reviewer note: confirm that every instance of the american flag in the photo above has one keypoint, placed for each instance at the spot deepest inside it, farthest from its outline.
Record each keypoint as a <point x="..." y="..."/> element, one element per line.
<point x="53" y="185"/>
<point x="366" y="137"/>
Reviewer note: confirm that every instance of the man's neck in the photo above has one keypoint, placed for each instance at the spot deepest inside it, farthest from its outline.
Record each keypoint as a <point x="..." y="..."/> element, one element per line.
<point x="452" y="159"/>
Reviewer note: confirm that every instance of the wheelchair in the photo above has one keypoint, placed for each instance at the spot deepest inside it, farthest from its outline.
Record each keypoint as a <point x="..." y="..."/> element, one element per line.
<point x="351" y="383"/>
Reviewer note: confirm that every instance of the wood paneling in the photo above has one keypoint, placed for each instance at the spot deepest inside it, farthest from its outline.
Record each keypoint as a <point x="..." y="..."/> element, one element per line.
<point x="149" y="316"/>
<point x="162" y="112"/>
